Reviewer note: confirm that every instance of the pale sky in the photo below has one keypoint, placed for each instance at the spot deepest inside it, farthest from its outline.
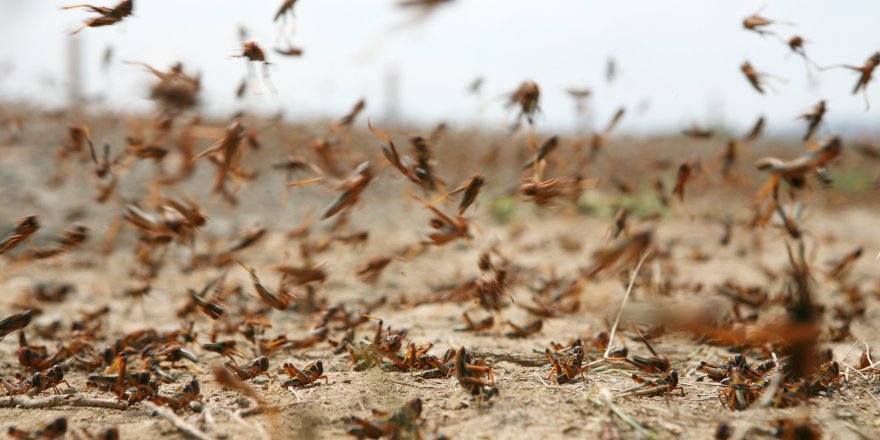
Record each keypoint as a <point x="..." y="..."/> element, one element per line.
<point x="679" y="59"/>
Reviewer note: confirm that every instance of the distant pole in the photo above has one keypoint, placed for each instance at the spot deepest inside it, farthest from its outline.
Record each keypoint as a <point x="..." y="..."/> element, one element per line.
<point x="392" y="95"/>
<point x="74" y="72"/>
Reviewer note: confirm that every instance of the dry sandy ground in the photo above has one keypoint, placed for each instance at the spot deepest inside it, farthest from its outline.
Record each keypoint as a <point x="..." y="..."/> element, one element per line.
<point x="527" y="407"/>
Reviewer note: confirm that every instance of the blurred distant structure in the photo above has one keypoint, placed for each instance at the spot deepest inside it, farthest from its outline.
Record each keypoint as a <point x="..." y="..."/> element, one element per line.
<point x="74" y="72"/>
<point x="391" y="92"/>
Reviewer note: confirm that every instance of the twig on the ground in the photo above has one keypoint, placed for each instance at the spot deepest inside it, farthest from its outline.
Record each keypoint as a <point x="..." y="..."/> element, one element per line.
<point x="632" y="282"/>
<point x="850" y="349"/>
<point x="255" y="426"/>
<point x="770" y="392"/>
<point x="415" y="385"/>
<point x="260" y="409"/>
<point x="541" y="379"/>
<point x="627" y="419"/>
<point x="178" y="423"/>
<point x="526" y="361"/>
<point x="62" y="400"/>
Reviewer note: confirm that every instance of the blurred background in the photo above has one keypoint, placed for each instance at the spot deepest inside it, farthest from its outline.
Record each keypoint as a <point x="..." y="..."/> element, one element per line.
<point x="677" y="62"/>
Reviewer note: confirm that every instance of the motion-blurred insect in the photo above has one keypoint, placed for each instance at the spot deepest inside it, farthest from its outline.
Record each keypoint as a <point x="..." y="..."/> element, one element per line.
<point x="402" y="423"/>
<point x="684" y="172"/>
<point x="471" y="326"/>
<point x="279" y="301"/>
<point x="796" y="44"/>
<point x="285" y="10"/>
<point x="525" y="97"/>
<point x="226" y="154"/>
<point x="657" y="387"/>
<point x="351" y="190"/>
<point x="53" y="429"/>
<point x="597" y="141"/>
<point x="795" y="171"/>
<point x="524" y="331"/>
<point x="757" y="23"/>
<point x="348" y="119"/>
<point x="728" y="158"/>
<point x="611" y="70"/>
<point x="623" y="251"/>
<point x="68" y="240"/>
<point x="542" y="153"/>
<point x="418" y="171"/>
<point x="224" y="348"/>
<point x="255" y="368"/>
<point x="653" y="364"/>
<point x="446" y="228"/>
<point x="15" y="322"/>
<point x="176" y="91"/>
<point x="476" y="85"/>
<point x="814" y="119"/>
<point x="756" y="130"/>
<point x="471" y="190"/>
<point x="291" y="51"/>
<point x="756" y="79"/>
<point x="108" y="16"/>
<point x="24" y="228"/>
<point x="370" y="271"/>
<point x="253" y="53"/>
<point x="188" y="392"/>
<point x="866" y="74"/>
<point x="842" y="264"/>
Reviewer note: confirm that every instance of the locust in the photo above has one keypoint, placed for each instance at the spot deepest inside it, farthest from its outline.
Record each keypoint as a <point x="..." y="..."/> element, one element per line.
<point x="107" y="16"/>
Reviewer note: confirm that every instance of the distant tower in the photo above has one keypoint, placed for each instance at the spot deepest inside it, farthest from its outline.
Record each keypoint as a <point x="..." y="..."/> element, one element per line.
<point x="74" y="71"/>
<point x="715" y="110"/>
<point x="392" y="95"/>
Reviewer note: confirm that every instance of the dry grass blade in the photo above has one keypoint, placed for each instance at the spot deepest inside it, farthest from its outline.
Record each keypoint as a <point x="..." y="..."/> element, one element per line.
<point x="186" y="428"/>
<point x="629" y="288"/>
<point x="62" y="400"/>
